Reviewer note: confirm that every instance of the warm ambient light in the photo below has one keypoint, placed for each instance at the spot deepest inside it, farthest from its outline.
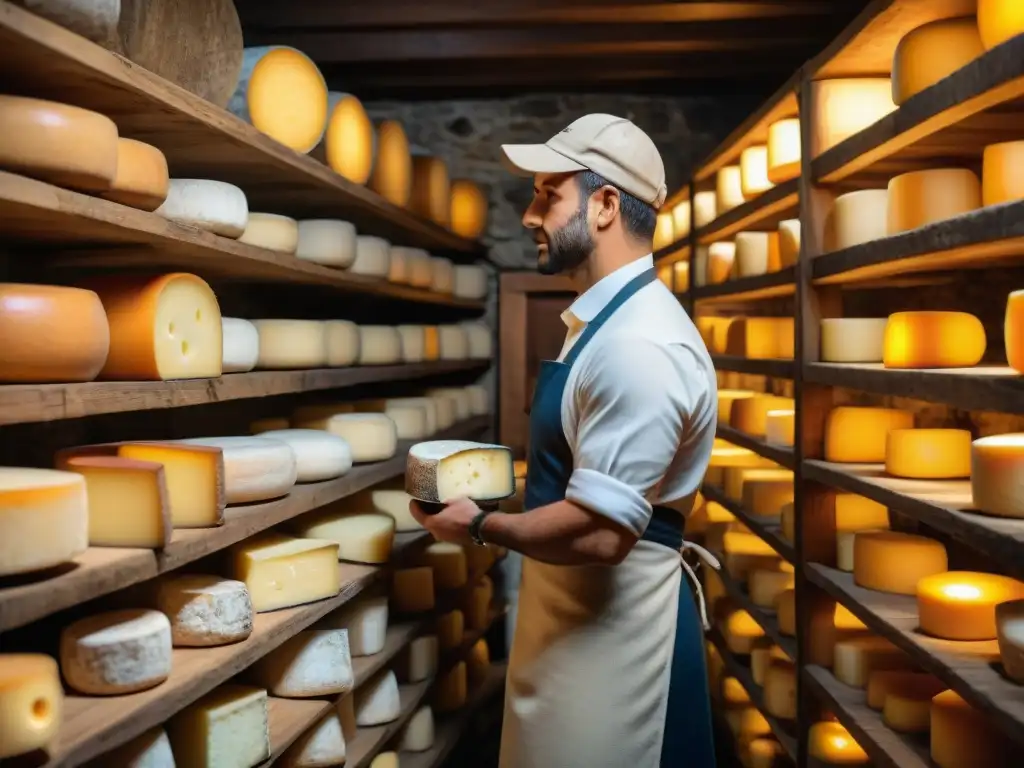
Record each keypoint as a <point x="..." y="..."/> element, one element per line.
<point x="959" y="605"/>
<point x="999" y="20"/>
<point x="856" y="435"/>
<point x="733" y="456"/>
<point x="349" y="139"/>
<point x="754" y="252"/>
<point x="932" y="52"/>
<point x="845" y="107"/>
<point x="468" y="209"/>
<point x="705" y="208"/>
<point x="780" y="427"/>
<point x="1010" y="629"/>
<point x="1001" y="178"/>
<point x="997" y="469"/>
<point x="728" y="188"/>
<point x="663" y="231"/>
<point x="832" y="744"/>
<point x="750" y="415"/>
<point x="890" y="561"/>
<point x="754" y="171"/>
<point x="681" y="275"/>
<point x="933" y="340"/>
<point x="785" y="607"/>
<point x="784" y="150"/>
<point x="726" y="397"/>
<point x="681" y="219"/>
<point x="928" y="454"/>
<point x="919" y="198"/>
<point x="391" y="177"/>
<point x="741" y="632"/>
<point x="287" y="98"/>
<point x="789" y="242"/>
<point x="1013" y="331"/>
<point x="720" y="260"/>
<point x="856" y="218"/>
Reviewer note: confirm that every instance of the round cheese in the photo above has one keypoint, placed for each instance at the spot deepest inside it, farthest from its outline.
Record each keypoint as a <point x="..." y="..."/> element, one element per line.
<point x="845" y="106"/>
<point x="321" y="745"/>
<point x="205" y="610"/>
<point x="418" y="734"/>
<point x="780" y="427"/>
<point x="479" y="400"/>
<point x="412" y="590"/>
<point x="997" y="475"/>
<point x="398" y="264"/>
<point x="957" y="605"/>
<point x="753" y="253"/>
<point x="728" y="188"/>
<point x="447" y="469"/>
<point x="331" y="242"/>
<point x="214" y="206"/>
<point x="318" y="455"/>
<point x="999" y="20"/>
<point x="458" y="395"/>
<point x="420" y="268"/>
<point x="965" y="737"/>
<point x="766" y="753"/>
<point x="856" y="658"/>
<point x="726" y="398"/>
<point x="721" y="257"/>
<point x="832" y="744"/>
<point x="270" y="231"/>
<point x="928" y="454"/>
<point x="930" y="339"/>
<point x="852" y="339"/>
<point x="116" y="652"/>
<point x="858" y="435"/>
<point x="413" y="420"/>
<point x="449" y="629"/>
<point x="431" y="195"/>
<point x="444" y="406"/>
<point x="889" y="561"/>
<point x="32" y="701"/>
<point x="391" y="177"/>
<point x="373" y="256"/>
<point x="1013" y="331"/>
<point x="413" y="339"/>
<point x="379" y="345"/>
<point x="292" y="344"/>
<point x="754" y="171"/>
<point x="442" y="277"/>
<point x="700" y="266"/>
<point x="479" y="340"/>
<point x="343" y="340"/>
<point x="453" y="342"/>
<point x="1010" y="633"/>
<point x="681" y="219"/>
<point x="51" y="333"/>
<point x="920" y="198"/>
<point x="1001" y="173"/>
<point x="663" y="234"/>
<point x="784" y="150"/>
<point x="377" y="702"/>
<point x="856" y="218"/>
<point x="241" y="345"/>
<point x="468" y="209"/>
<point x="882" y="682"/>
<point x="932" y="52"/>
<point x="741" y="632"/>
<point x="142" y="180"/>
<point x="469" y="281"/>
<point x="349" y="139"/>
<point x="315" y="662"/>
<point x="255" y="468"/>
<point x="370" y="436"/>
<point x="705" y="208"/>
<point x="366" y="622"/>
<point x="780" y="690"/>
<point x="681" y="276"/>
<point x="764" y="496"/>
<point x="765" y="585"/>
<point x="150" y="750"/>
<point x="750" y="414"/>
<point x="789" y="242"/>
<point x="60" y="144"/>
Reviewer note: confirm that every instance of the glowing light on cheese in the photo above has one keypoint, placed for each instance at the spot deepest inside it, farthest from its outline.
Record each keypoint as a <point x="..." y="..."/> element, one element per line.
<point x="997" y="470"/>
<point x="705" y="208"/>
<point x="852" y="339"/>
<point x="141" y="181"/>
<point x="281" y="572"/>
<point x="440" y="470"/>
<point x="999" y="20"/>
<point x="468" y="209"/>
<point x="784" y="150"/>
<point x="726" y="397"/>
<point x="733" y="692"/>
<point x="756" y="338"/>
<point x="857" y="657"/>
<point x="965" y="737"/>
<point x="331" y="242"/>
<point x="663" y="230"/>
<point x="930" y="339"/>
<point x="785" y="608"/>
<point x="959" y="605"/>
<point x="116" y="652"/>
<point x="765" y="753"/>
<point x="44" y="518"/>
<point x="349" y="141"/>
<point x="431" y="189"/>
<point x="271" y="231"/>
<point x="1010" y="633"/>
<point x="741" y="632"/>
<point x="391" y="177"/>
<point x="681" y="219"/>
<point x="856" y="218"/>
<point x="832" y="744"/>
<point x="32" y="701"/>
<point x="754" y="171"/>
<point x="746" y="552"/>
<point x="754" y="252"/>
<point x="929" y="454"/>
<point x="720" y="260"/>
<point x="1000" y="174"/>
<point x="228" y="726"/>
<point x="789" y="242"/>
<point x="931" y="53"/>
<point x="858" y="435"/>
<point x="728" y="188"/>
<point x="213" y="206"/>
<point x="923" y="197"/>
<point x="843" y="107"/>
<point x="780" y="427"/>
<point x="890" y="561"/>
<point x="1013" y="331"/>
<point x="750" y="415"/>
<point x="747" y="723"/>
<point x="737" y="477"/>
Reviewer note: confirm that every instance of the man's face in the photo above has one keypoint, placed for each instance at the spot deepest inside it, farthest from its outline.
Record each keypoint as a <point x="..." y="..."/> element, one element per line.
<point x="558" y="219"/>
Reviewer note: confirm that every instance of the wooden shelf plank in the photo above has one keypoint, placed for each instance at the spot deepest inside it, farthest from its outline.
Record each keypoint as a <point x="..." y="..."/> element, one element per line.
<point x="673" y="252"/>
<point x="764" y="212"/>
<point x="779" y="369"/>
<point x="885" y="747"/>
<point x="101" y="571"/>
<point x="942" y="504"/>
<point x="369" y="742"/>
<point x="768" y="528"/>
<point x="199" y="139"/>
<point x="91" y="233"/>
<point x="778" y="453"/>
<point x="769" y="286"/>
<point x="25" y="403"/>
<point x="289" y="719"/>
<point x="970" y="668"/>
<point x="988" y="237"/>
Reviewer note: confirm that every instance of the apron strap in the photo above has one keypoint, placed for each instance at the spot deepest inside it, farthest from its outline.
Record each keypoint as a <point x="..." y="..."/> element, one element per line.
<point x="627" y="291"/>
<point x="708" y="558"/>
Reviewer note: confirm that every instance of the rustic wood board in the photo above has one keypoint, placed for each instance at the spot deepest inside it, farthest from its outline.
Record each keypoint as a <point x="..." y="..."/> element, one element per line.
<point x="288" y="719"/>
<point x="770" y="285"/>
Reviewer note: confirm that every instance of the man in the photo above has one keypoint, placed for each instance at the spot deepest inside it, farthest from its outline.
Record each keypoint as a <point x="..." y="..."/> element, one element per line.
<point x="607" y="664"/>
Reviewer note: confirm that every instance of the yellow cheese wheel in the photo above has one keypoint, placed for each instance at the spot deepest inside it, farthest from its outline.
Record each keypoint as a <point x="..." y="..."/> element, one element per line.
<point x="1001" y="173"/>
<point x="764" y="497"/>
<point x="349" y="143"/>
<point x="965" y="737"/>
<point x="754" y="171"/>
<point x="729" y="455"/>
<point x="468" y="209"/>
<point x="736" y="477"/>
<point x="733" y="693"/>
<point x="780" y="690"/>
<point x="705" y="208"/>
<point x="856" y="658"/>
<point x="932" y="52"/>
<point x="391" y="177"/>
<point x="763" y="654"/>
<point x="784" y="150"/>
<point x="726" y="397"/>
<point x="431" y="189"/>
<point x="141" y="181"/>
<point x="846" y="106"/>
<point x="757" y="338"/>
<point x="997" y="466"/>
<point x="1010" y="629"/>
<point x="285" y="96"/>
<point x="907" y="706"/>
<point x="665" y="275"/>
<point x="856" y="218"/>
<point x="780" y="427"/>
<point x="882" y="682"/>
<point x="664" y="232"/>
<point x="785" y="607"/>
<point x="765" y="585"/>
<point x="60" y="144"/>
<point x="857" y="435"/>
<point x="1013" y="331"/>
<point x="681" y="219"/>
<point x="852" y="339"/>
<point x="789" y="242"/>
<point x="740" y="631"/>
<point x="928" y="454"/>
<point x="747" y="723"/>
<point x="720" y="260"/>
<point x="857" y="513"/>
<point x="766" y="753"/>
<point x="890" y="561"/>
<point x="919" y="198"/>
<point x="999" y="20"/>
<point x="958" y="605"/>
<point x="930" y="339"/>
<point x="750" y="415"/>
<point x="728" y="188"/>
<point x="51" y="333"/>
<point x="832" y="744"/>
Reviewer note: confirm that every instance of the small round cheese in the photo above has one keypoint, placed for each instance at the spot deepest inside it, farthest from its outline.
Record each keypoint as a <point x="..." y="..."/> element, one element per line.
<point x="318" y="454"/>
<point x="288" y="344"/>
<point x="889" y="561"/>
<point x="431" y="195"/>
<point x="856" y="658"/>
<point x="932" y="52"/>
<point x="379" y="345"/>
<point x="214" y="206"/>
<point x="852" y="339"/>
<point x="413" y="339"/>
<point x="449" y="563"/>
<point x="468" y="209"/>
<point x="741" y="632"/>
<point x="705" y="209"/>
<point x="370" y="436"/>
<point x="205" y="610"/>
<point x="453" y="342"/>
<point x="469" y="281"/>
<point x="116" y="652"/>
<point x="479" y="400"/>
<point x="391" y="177"/>
<point x="255" y="468"/>
<point x="479" y="340"/>
<point x="754" y="253"/>
<point x="919" y="198"/>
<point x="784" y="150"/>
<point x="933" y="339"/>
<point x="241" y="345"/>
<point x="958" y="605"/>
<point x="141" y="181"/>
<point x="721" y="257"/>
<point x="373" y="257"/>
<point x="857" y="217"/>
<point x="442" y="275"/>
<point x="271" y="231"/>
<point x="928" y="454"/>
<point x="420" y="268"/>
<point x="997" y="475"/>
<point x="331" y="242"/>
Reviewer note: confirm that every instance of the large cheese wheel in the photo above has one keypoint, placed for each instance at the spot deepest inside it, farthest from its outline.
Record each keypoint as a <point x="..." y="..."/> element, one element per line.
<point x="67" y="146"/>
<point x="1013" y="331"/>
<point x="271" y="231"/>
<point x="932" y="52"/>
<point x="846" y="106"/>
<point x="728" y="188"/>
<point x="754" y="171"/>
<point x="999" y="20"/>
<point x="852" y="339"/>
<point x="784" y="150"/>
<point x="431" y="189"/>
<point x="282" y="93"/>
<point x="957" y="605"/>
<point x="929" y="339"/>
<point x="215" y="206"/>
<point x="858" y="435"/>
<point x="379" y="345"/>
<point x="350" y="143"/>
<point x="919" y="198"/>
<point x="141" y="181"/>
<point x="1002" y="180"/>
<point x="928" y="454"/>
<point x="392" y="172"/>
<point x="468" y="209"/>
<point x="997" y="475"/>
<point x="327" y="241"/>
<point x="856" y="218"/>
<point x="965" y="737"/>
<point x="705" y="208"/>
<point x="292" y="344"/>
<point x="51" y="333"/>
<point x="889" y="561"/>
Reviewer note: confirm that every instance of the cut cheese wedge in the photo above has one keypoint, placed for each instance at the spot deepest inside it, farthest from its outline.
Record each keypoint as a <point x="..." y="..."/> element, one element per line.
<point x="418" y="734"/>
<point x="116" y="652"/>
<point x="255" y="468"/>
<point x="321" y="745"/>
<point x="142" y="181"/>
<point x="228" y="726"/>
<point x="150" y="750"/>
<point x="361" y="538"/>
<point x="32" y="701"/>
<point x="315" y="662"/>
<point x="213" y="206"/>
<point x="281" y="572"/>
<point x="377" y="702"/>
<point x="366" y="622"/>
<point x="442" y="470"/>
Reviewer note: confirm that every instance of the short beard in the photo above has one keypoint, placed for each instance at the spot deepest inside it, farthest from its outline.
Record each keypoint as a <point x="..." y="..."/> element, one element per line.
<point x="569" y="246"/>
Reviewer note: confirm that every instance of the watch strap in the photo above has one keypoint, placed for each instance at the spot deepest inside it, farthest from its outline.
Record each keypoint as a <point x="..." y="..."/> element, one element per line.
<point x="475" y="526"/>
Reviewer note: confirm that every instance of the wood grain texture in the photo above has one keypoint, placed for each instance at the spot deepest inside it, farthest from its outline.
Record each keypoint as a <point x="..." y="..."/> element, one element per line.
<point x="288" y="719"/>
<point x="780" y="454"/>
<point x="768" y="528"/>
<point x="764" y="212"/>
<point x="770" y="285"/>
<point x="779" y="369"/>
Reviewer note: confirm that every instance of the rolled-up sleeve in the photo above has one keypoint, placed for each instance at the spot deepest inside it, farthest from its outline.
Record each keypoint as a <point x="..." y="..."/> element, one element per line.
<point x="632" y="412"/>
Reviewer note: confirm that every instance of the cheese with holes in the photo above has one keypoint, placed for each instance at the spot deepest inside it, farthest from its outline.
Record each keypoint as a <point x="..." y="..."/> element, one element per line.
<point x="361" y="538"/>
<point x="141" y="180"/>
<point x="1010" y="634"/>
<point x="845" y="106"/>
<point x="377" y="700"/>
<point x="932" y="52"/>
<point x="780" y="427"/>
<point x="255" y="468"/>
<point x="51" y="333"/>
<point x="205" y="610"/>
<point x="342" y="340"/>
<point x="366" y="622"/>
<point x="241" y="345"/>
<point x="928" y="454"/>
<point x="965" y="737"/>
<point x="1000" y="175"/>
<point x="750" y="415"/>
<point x="832" y="744"/>
<point x="373" y="256"/>
<point x="785" y="607"/>
<point x="1013" y="331"/>
<point x="469" y="281"/>
<point x="413" y="340"/>
<point x="281" y="572"/>
<point x="764" y="497"/>
<point x="721" y="257"/>
<point x="441" y="470"/>
<point x="379" y="345"/>
<point x="784" y="150"/>
<point x="705" y="208"/>
<point x="116" y="652"/>
<point x="882" y="682"/>
<point x="420" y="269"/>
<point x="32" y="701"/>
<point x="214" y="206"/>
<point x="852" y="339"/>
<point x="418" y="734"/>
<point x="780" y="689"/>
<point x="889" y="561"/>
<point x="997" y="469"/>
<point x="959" y="605"/>
<point x="412" y="589"/>
<point x="441" y="274"/>
<point x="331" y="242"/>
<point x="349" y="141"/>
<point x="449" y="629"/>
<point x="271" y="231"/>
<point x="370" y="436"/>
<point x="315" y="662"/>
<point x="451" y="690"/>
<point x="391" y="177"/>
<point x="468" y="209"/>
<point x="161" y="328"/>
<point x="421" y="658"/>
<point x="741" y="632"/>
<point x="765" y="585"/>
<point x="928" y="339"/>
<point x="857" y="657"/>
<point x="228" y="726"/>
<point x="128" y="501"/>
<point x="448" y="562"/>
<point x="753" y="253"/>
<point x="318" y="454"/>
<point x="477" y="604"/>
<point x="282" y="93"/>
<point x="479" y="341"/>
<point x="728" y="188"/>
<point x="150" y="750"/>
<point x="789" y="242"/>
<point x="453" y="342"/>
<point x="856" y="218"/>
<point x="858" y="435"/>
<point x="920" y="198"/>
<point x="754" y="171"/>
<point x="292" y="344"/>
<point x="321" y="745"/>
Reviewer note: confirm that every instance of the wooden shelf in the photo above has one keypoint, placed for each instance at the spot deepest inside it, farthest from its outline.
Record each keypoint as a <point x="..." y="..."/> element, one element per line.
<point x="886" y="747"/>
<point x="780" y="454"/>
<point x="764" y="212"/>
<point x="101" y="571"/>
<point x="768" y="528"/>
<point x="779" y="369"/>
<point x="970" y="668"/>
<point x="769" y="286"/>
<point x="199" y="139"/>
<point x="940" y="504"/>
<point x="673" y="252"/>
<point x="24" y="403"/>
<point x="91" y="233"/>
<point x="288" y="719"/>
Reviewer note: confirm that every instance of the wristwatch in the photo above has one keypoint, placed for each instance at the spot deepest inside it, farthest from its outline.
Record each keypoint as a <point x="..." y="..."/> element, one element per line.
<point x="476" y="524"/>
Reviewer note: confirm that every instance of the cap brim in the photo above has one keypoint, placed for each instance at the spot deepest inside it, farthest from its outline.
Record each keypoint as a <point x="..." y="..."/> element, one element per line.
<point x="528" y="159"/>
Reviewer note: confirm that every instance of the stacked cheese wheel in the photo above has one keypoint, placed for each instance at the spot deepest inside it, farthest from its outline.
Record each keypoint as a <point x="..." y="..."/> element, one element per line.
<point x="750" y="254"/>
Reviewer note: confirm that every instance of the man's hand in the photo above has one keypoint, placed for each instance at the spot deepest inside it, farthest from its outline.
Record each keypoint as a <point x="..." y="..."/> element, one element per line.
<point x="451" y="523"/>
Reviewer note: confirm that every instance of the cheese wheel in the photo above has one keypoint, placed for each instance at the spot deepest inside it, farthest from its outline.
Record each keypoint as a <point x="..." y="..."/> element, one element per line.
<point x="753" y="253"/>
<point x="999" y="20"/>
<point x="468" y="209"/>
<point x="843" y="107"/>
<point x="741" y="632"/>
<point x="271" y="231"/>
<point x="929" y="339"/>
<point x="965" y="737"/>
<point x="373" y="257"/>
<point x="764" y="496"/>
<point x="1000" y="173"/>
<point x="737" y="477"/>
<point x="442" y="277"/>
<point x="889" y="561"/>
<point x="857" y="657"/>
<point x="280" y="571"/>
<point x="288" y="344"/>
<point x="116" y="652"/>
<point x="479" y="341"/>
<point x="705" y="208"/>
<point x="757" y="338"/>
<point x="418" y="734"/>
<point x="681" y="219"/>
<point x="228" y="724"/>
<point x="469" y="281"/>
<point x="366" y="622"/>
<point x="449" y="563"/>
<point x="331" y="242"/>
<point x="349" y="141"/>
<point x="458" y="396"/>
<point x="315" y="662"/>
<point x="431" y="195"/>
<point x="150" y="750"/>
<point x="760" y="657"/>
<point x="780" y="690"/>
<point x="958" y="605"/>
<point x="780" y="427"/>
<point x="51" y="333"/>
<point x="379" y="345"/>
<point x="321" y="745"/>
<point x="928" y="454"/>
<point x="750" y="415"/>
<point x="282" y="93"/>
<point x="932" y="52"/>
<point x="318" y="455"/>
<point x="789" y="242"/>
<point x="728" y="188"/>
<point x="453" y="342"/>
<point x="398" y="264"/>
<point x="852" y="339"/>
<point x="721" y="257"/>
<point x="663" y="234"/>
<point x="342" y="339"/>
<point x="255" y="468"/>
<point x="32" y="701"/>
<point x="213" y="206"/>
<point x="920" y="198"/>
<point x="907" y="707"/>
<point x="882" y="682"/>
<point x="391" y="177"/>
<point x="440" y="470"/>
<point x="409" y="414"/>
<point x="420" y="268"/>
<point x="205" y="610"/>
<point x="142" y="180"/>
<point x="997" y="475"/>
<point x="856" y="218"/>
<point x="161" y="328"/>
<point x="1010" y="633"/>
<point x="858" y="435"/>
<point x="784" y="150"/>
<point x="377" y="702"/>
<point x="726" y="398"/>
<point x="765" y="586"/>
<point x="60" y="144"/>
<point x="832" y="744"/>
<point x="479" y="400"/>
<point x="241" y="345"/>
<point x="371" y="436"/>
<point x="754" y="171"/>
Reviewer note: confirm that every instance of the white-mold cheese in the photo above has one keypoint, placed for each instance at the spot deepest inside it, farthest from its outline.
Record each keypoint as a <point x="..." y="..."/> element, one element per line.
<point x="330" y="242"/>
<point x="440" y="470"/>
<point x="116" y="652"/>
<point x="241" y="346"/>
<point x="315" y="662"/>
<point x="214" y="206"/>
<point x="205" y="610"/>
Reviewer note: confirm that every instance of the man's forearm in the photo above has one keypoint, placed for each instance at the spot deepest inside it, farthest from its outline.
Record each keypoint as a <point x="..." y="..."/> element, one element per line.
<point x="562" y="533"/>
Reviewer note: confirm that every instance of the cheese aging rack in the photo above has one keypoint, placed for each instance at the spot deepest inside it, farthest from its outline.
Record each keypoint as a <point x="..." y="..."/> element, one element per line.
<point x="851" y="255"/>
<point x="137" y="634"/>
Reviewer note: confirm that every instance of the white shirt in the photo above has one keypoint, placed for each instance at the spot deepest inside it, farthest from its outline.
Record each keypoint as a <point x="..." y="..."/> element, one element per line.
<point x="640" y="404"/>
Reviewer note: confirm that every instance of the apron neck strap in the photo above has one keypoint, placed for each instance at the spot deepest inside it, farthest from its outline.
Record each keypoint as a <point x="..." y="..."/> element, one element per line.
<point x="620" y="298"/>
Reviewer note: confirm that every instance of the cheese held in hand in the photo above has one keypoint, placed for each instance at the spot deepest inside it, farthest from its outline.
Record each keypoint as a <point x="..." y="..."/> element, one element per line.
<point x="440" y="470"/>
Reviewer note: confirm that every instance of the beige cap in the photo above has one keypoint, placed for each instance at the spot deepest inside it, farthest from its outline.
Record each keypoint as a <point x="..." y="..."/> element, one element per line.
<point x="610" y="146"/>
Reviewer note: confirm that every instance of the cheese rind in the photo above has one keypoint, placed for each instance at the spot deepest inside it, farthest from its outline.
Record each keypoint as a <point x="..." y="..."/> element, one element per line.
<point x="442" y="277"/>
<point x="32" y="701"/>
<point x="366" y="623"/>
<point x="421" y="658"/>
<point x="318" y="454"/>
<point x="116" y="652"/>
<point x="965" y="737"/>
<point x="391" y="177"/>
<point x="141" y="181"/>
<point x="997" y="475"/>
<point x="241" y="345"/>
<point x="205" y="610"/>
<point x="857" y="435"/>
<point x="370" y="436"/>
<point x="999" y="20"/>
<point x="292" y="344"/>
<point x="449" y="628"/>
<point x="1013" y="331"/>
<point x="959" y="605"/>
<point x="929" y="339"/>
<point x="349" y="140"/>
<point x="1010" y="634"/>
<point x="705" y="209"/>
<point x="845" y="106"/>
<point x="857" y="657"/>
<point x="315" y="662"/>
<point x="228" y="726"/>
<point x="469" y="281"/>
<point x="852" y="339"/>
<point x="889" y="561"/>
<point x="213" y="206"/>
<point x="361" y="538"/>
<point x="789" y="242"/>
<point x="331" y="242"/>
<point x="281" y="572"/>
<point x="728" y="188"/>
<point x="928" y="454"/>
<point x="418" y="734"/>
<point x="377" y="701"/>
<point x="754" y="171"/>
<point x="919" y="198"/>
<point x="780" y="689"/>
<point x="271" y="231"/>
<point x="932" y="52"/>
<point x="449" y="564"/>
<point x="194" y="475"/>
<point x="468" y="209"/>
<point x="883" y="681"/>
<point x="441" y="470"/>
<point x="255" y="468"/>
